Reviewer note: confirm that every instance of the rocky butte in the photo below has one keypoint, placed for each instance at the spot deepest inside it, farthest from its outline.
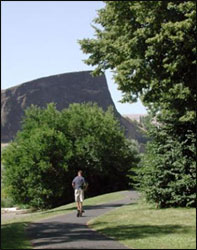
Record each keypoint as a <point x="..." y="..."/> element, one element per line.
<point x="62" y="89"/>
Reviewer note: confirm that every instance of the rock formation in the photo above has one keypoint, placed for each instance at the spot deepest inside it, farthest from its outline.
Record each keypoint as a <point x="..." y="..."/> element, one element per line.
<point x="63" y="89"/>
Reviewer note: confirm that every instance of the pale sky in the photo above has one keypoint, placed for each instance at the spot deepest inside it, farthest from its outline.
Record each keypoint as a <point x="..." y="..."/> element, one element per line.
<point x="40" y="39"/>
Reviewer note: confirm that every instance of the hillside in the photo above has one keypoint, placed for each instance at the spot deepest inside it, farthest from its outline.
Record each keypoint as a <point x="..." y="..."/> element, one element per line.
<point x="63" y="89"/>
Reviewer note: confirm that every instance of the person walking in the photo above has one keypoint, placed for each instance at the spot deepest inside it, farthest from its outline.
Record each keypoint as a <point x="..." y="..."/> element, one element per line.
<point x="79" y="184"/>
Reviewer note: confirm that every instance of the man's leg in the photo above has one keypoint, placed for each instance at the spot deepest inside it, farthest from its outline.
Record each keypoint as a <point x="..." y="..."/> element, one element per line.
<point x="77" y="202"/>
<point x="78" y="208"/>
<point x="81" y="197"/>
<point x="78" y="205"/>
<point x="81" y="206"/>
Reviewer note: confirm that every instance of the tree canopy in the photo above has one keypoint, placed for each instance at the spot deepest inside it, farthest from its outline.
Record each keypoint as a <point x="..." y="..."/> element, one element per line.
<point x="151" y="48"/>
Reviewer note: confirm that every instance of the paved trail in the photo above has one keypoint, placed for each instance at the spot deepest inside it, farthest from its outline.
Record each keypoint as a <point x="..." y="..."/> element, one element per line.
<point x="69" y="232"/>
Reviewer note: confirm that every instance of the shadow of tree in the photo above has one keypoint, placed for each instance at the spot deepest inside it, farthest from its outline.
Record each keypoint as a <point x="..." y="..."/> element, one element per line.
<point x="108" y="205"/>
<point x="141" y="231"/>
<point x="59" y="210"/>
<point x="50" y="234"/>
<point x="53" y="233"/>
<point x="12" y="236"/>
<point x="86" y="207"/>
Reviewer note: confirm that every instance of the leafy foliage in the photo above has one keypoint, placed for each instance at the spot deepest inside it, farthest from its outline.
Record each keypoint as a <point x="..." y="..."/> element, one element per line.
<point x="147" y="44"/>
<point x="52" y="145"/>
<point x="167" y="173"/>
<point x="151" y="48"/>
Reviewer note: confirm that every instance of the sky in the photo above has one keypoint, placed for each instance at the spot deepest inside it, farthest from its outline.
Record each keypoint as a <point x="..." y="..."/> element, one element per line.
<point x="39" y="38"/>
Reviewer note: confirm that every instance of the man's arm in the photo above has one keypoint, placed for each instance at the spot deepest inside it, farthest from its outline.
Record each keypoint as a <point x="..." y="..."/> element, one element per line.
<point x="73" y="183"/>
<point x="85" y="185"/>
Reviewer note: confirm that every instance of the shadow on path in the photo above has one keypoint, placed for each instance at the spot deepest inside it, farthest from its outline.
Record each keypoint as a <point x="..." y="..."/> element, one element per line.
<point x="52" y="233"/>
<point x="69" y="232"/>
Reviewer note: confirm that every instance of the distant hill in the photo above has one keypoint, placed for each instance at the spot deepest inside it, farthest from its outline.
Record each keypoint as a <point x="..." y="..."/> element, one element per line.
<point x="63" y="89"/>
<point x="134" y="117"/>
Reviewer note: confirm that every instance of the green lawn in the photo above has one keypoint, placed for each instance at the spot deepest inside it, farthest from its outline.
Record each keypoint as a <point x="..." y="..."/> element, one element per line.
<point x="13" y="231"/>
<point x="13" y="236"/>
<point x="137" y="226"/>
<point x="141" y="226"/>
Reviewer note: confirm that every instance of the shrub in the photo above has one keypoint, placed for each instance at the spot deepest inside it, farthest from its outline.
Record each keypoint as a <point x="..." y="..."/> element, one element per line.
<point x="52" y="145"/>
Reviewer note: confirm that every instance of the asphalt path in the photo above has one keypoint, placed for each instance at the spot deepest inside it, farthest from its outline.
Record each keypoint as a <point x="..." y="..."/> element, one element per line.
<point x="71" y="232"/>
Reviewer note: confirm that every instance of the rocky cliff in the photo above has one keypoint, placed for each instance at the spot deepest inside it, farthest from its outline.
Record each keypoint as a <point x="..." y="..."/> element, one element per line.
<point x="63" y="89"/>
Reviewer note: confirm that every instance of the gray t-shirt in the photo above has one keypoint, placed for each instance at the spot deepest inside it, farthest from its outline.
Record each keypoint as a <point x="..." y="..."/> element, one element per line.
<point x="79" y="182"/>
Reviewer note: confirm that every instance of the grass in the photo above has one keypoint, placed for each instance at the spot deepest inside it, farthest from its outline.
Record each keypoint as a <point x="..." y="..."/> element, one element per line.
<point x="12" y="236"/>
<point x="137" y="226"/>
<point x="141" y="226"/>
<point x="13" y="230"/>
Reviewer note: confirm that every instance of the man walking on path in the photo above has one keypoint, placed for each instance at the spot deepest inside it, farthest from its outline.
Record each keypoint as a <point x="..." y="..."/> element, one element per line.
<point x="79" y="186"/>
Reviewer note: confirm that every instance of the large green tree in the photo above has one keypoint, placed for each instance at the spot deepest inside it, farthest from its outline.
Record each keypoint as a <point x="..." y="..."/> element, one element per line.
<point x="41" y="162"/>
<point x="149" y="45"/>
<point x="151" y="48"/>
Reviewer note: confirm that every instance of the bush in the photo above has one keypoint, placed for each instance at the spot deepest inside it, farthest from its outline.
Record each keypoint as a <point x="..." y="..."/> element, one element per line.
<point x="52" y="145"/>
<point x="5" y="200"/>
<point x="167" y="173"/>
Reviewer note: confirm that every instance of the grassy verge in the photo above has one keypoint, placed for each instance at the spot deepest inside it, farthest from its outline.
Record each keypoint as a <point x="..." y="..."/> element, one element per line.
<point x="141" y="226"/>
<point x="12" y="236"/>
<point x="13" y="230"/>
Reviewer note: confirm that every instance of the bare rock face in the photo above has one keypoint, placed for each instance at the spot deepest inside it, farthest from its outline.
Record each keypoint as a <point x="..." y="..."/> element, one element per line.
<point x="63" y="89"/>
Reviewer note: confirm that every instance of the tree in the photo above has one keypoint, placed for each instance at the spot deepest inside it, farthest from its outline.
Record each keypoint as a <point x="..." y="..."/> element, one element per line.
<point x="151" y="48"/>
<point x="36" y="161"/>
<point x="41" y="162"/>
<point x="166" y="175"/>
<point x="149" y="45"/>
